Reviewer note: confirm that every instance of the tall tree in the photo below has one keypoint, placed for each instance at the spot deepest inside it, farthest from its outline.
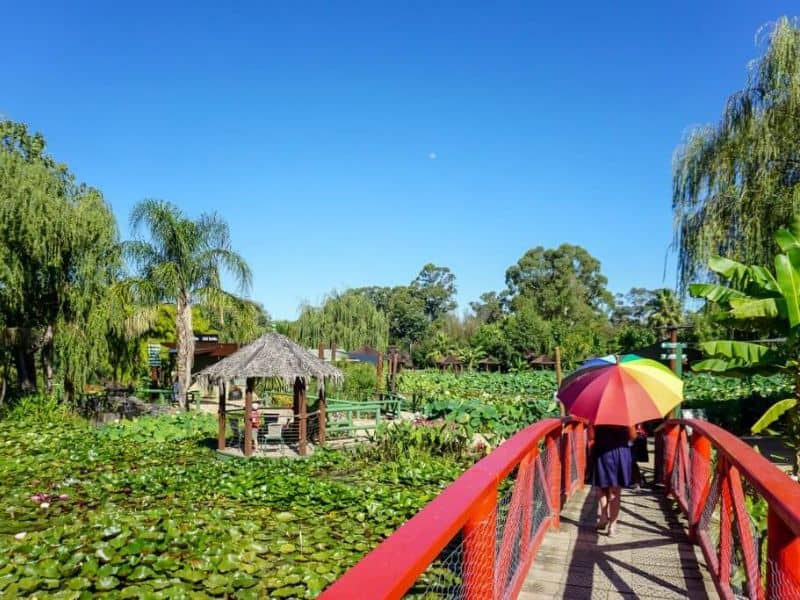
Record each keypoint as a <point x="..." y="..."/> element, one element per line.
<point x="565" y="283"/>
<point x="436" y="286"/>
<point x="736" y="183"/>
<point x="60" y="257"/>
<point x="181" y="261"/>
<point x="490" y="308"/>
<point x="348" y="319"/>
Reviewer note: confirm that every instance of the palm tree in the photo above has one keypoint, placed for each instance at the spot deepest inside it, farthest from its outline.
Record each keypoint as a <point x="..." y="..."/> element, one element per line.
<point x="664" y="309"/>
<point x="181" y="263"/>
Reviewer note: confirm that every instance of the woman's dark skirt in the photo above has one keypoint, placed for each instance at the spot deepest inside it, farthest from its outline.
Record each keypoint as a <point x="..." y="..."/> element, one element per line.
<point x="613" y="467"/>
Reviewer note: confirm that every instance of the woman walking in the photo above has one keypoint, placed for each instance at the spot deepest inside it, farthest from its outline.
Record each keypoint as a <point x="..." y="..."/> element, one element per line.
<point x="612" y="463"/>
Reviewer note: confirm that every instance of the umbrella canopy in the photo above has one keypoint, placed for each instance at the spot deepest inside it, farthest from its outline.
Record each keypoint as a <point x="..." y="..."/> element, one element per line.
<point x="621" y="391"/>
<point x="272" y="355"/>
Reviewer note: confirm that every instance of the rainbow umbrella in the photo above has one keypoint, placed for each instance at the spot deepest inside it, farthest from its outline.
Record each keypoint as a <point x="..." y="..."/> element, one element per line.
<point x="623" y="390"/>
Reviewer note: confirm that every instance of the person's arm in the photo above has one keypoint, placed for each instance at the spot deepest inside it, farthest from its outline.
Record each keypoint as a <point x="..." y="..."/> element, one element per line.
<point x="631" y="433"/>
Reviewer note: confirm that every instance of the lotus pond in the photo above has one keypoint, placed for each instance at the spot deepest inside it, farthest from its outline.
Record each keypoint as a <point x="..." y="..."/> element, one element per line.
<point x="146" y="510"/>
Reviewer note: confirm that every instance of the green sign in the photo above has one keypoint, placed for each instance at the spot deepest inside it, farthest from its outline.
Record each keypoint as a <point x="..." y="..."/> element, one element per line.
<point x="672" y="345"/>
<point x="154" y="355"/>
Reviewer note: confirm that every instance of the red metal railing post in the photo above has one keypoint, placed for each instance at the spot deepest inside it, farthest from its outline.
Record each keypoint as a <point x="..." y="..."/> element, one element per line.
<point x="783" y="553"/>
<point x="580" y="442"/>
<point x="701" y="479"/>
<point x="554" y="476"/>
<point x="566" y="463"/>
<point x="725" y="518"/>
<point x="480" y="538"/>
<point x="671" y="433"/>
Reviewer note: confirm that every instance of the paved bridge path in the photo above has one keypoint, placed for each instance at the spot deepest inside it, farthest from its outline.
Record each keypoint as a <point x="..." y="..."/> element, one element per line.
<point x="649" y="557"/>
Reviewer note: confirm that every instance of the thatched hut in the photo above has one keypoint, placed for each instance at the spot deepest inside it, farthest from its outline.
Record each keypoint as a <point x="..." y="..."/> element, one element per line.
<point x="272" y="356"/>
<point x="540" y="361"/>
<point x="451" y="363"/>
<point x="489" y="364"/>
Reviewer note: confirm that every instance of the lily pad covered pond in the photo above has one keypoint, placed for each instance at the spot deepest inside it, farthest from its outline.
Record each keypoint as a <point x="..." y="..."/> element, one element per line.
<point x="146" y="510"/>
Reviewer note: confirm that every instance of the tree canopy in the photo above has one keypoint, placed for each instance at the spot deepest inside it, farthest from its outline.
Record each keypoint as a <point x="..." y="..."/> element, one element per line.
<point x="349" y="320"/>
<point x="735" y="183"/>
<point x="60" y="256"/>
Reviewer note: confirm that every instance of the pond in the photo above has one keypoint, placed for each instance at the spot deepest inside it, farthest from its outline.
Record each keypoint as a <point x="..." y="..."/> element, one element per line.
<point x="146" y="510"/>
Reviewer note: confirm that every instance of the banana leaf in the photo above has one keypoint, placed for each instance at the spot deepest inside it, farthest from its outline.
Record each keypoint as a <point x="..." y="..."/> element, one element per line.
<point x="737" y="273"/>
<point x="714" y="293"/>
<point x="750" y="308"/>
<point x="789" y="281"/>
<point x="748" y="352"/>
<point x="773" y="413"/>
<point x="763" y="279"/>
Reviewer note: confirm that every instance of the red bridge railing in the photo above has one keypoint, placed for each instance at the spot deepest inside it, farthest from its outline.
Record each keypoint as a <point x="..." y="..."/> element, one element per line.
<point x="477" y="539"/>
<point x="742" y="510"/>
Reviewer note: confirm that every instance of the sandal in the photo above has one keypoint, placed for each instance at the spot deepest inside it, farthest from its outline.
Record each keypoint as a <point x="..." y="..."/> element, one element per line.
<point x="601" y="524"/>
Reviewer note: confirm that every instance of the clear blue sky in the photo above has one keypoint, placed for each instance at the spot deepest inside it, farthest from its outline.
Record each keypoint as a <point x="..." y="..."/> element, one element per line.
<point x="349" y="144"/>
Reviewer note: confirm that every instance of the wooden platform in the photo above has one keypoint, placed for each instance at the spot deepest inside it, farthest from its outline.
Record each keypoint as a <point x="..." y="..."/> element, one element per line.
<point x="650" y="557"/>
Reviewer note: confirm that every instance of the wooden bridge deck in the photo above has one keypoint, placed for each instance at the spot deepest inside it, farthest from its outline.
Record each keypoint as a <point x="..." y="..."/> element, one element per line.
<point x="650" y="557"/>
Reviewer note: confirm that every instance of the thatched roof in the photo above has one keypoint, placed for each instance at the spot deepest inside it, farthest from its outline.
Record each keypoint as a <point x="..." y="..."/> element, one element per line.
<point x="540" y="360"/>
<point x="489" y="360"/>
<point x="271" y="355"/>
<point x="451" y="360"/>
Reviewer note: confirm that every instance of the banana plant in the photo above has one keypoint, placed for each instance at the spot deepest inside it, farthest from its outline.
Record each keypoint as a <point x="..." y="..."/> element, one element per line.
<point x="756" y="298"/>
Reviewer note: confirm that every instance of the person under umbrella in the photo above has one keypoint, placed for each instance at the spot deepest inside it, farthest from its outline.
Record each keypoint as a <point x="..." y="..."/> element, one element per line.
<point x="614" y="394"/>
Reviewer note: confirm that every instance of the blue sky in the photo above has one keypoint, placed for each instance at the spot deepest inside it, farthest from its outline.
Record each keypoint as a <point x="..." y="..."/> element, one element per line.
<point x="349" y="144"/>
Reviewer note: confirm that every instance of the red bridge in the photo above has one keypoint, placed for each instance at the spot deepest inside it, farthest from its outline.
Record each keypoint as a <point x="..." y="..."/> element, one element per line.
<point x="520" y="524"/>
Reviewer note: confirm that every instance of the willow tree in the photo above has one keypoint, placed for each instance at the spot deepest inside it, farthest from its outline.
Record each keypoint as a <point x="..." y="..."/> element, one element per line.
<point x="350" y="320"/>
<point x="736" y="183"/>
<point x="60" y="258"/>
<point x="181" y="260"/>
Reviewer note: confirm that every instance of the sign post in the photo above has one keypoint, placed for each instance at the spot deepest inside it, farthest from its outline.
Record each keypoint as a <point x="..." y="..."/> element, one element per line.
<point x="675" y="356"/>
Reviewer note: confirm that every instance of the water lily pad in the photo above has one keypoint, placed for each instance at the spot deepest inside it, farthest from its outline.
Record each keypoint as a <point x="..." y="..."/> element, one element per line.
<point x="241" y="580"/>
<point x="107" y="582"/>
<point x="286" y="548"/>
<point x="284" y="517"/>
<point x="190" y="575"/>
<point x="216" y="581"/>
<point x="48" y="568"/>
<point x="79" y="583"/>
<point x="140" y="573"/>
<point x="29" y="584"/>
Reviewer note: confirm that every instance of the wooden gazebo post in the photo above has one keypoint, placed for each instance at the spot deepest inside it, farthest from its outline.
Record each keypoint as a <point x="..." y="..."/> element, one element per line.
<point x="321" y="409"/>
<point x="248" y="425"/>
<point x="221" y="412"/>
<point x="299" y="402"/>
<point x="379" y="375"/>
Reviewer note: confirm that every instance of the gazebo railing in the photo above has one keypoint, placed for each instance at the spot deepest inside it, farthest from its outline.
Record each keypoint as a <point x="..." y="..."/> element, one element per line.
<point x="291" y="431"/>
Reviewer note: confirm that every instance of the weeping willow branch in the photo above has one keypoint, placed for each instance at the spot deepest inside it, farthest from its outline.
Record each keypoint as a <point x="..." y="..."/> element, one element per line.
<point x="736" y="183"/>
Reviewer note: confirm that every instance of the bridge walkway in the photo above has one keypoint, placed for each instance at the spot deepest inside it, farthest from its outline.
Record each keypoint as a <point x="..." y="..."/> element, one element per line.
<point x="649" y="557"/>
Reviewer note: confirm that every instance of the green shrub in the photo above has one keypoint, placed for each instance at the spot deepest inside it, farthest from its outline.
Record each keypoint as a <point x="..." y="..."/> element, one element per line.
<point x="397" y="439"/>
<point x="164" y="428"/>
<point x="39" y="408"/>
<point x="360" y="380"/>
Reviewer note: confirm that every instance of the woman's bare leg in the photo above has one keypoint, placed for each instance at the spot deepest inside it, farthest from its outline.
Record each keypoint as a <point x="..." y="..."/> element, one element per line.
<point x="613" y="509"/>
<point x="602" y="507"/>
